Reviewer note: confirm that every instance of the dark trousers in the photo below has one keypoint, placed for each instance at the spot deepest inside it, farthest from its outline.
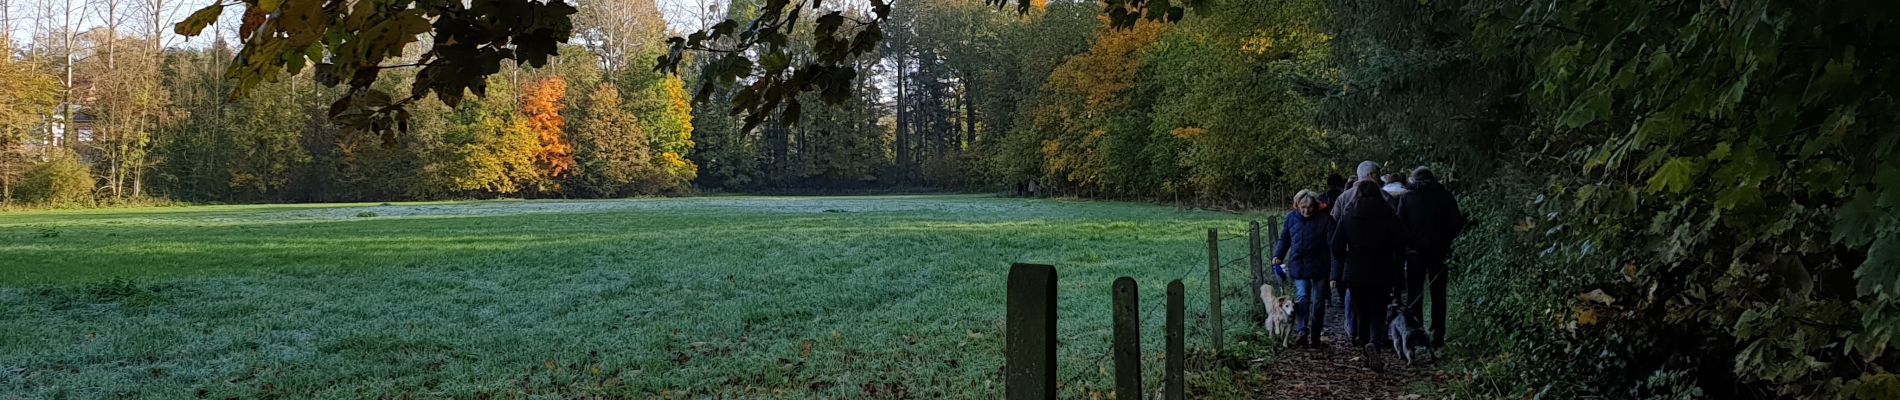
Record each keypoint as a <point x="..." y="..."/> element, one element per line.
<point x="1368" y="302"/>
<point x="1423" y="274"/>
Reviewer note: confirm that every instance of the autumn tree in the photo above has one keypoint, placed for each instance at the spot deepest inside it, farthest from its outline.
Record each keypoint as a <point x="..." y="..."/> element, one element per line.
<point x="26" y="95"/>
<point x="541" y="111"/>
<point x="122" y="101"/>
<point x="1232" y="99"/>
<point x="611" y="147"/>
<point x="493" y="148"/>
<point x="1085" y="111"/>
<point x="665" y="114"/>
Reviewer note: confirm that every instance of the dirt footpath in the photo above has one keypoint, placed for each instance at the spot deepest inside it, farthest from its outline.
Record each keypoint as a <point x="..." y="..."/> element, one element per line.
<point x="1337" y="372"/>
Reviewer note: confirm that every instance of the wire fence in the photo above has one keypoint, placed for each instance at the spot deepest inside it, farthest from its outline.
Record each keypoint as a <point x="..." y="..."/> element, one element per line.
<point x="1095" y="359"/>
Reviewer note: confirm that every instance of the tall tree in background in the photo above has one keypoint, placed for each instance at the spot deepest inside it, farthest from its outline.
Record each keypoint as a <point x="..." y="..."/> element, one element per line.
<point x="624" y="34"/>
<point x="6" y="29"/>
<point x="1233" y="97"/>
<point x="666" y="116"/>
<point x="25" y="92"/>
<point x="120" y="99"/>
<point x="1009" y="90"/>
<point x="611" y="148"/>
<point x="494" y="149"/>
<point x="1085" y="98"/>
<point x="68" y="15"/>
<point x="157" y="14"/>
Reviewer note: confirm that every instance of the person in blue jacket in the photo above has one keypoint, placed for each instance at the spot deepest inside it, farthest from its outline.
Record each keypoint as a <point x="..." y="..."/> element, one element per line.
<point x="1303" y="250"/>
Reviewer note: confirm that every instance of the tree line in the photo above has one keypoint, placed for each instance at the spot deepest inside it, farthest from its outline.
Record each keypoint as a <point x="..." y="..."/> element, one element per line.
<point x="100" y="112"/>
<point x="956" y="95"/>
<point x="962" y="95"/>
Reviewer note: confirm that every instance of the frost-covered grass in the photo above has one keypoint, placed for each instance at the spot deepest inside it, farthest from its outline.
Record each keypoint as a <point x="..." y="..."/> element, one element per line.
<point x="698" y="297"/>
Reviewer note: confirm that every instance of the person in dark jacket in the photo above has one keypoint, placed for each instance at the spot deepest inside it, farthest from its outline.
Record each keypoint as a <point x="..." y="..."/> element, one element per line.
<point x="1368" y="171"/>
<point x="1335" y="185"/>
<point x="1365" y="241"/>
<point x="1432" y="220"/>
<point x="1303" y="250"/>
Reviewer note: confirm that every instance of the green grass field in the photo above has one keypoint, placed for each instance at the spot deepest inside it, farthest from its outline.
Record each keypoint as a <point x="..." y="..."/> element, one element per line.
<point x="700" y="297"/>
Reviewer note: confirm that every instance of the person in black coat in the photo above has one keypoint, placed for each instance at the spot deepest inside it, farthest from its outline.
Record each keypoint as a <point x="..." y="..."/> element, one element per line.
<point x="1335" y="185"/>
<point x="1432" y="221"/>
<point x="1366" y="241"/>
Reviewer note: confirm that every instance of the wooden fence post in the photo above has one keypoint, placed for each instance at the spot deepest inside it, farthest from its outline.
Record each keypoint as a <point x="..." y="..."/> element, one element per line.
<point x="1029" y="368"/>
<point x="1213" y="286"/>
<point x="1127" y="339"/>
<point x="1256" y="260"/>
<point x="1174" y="383"/>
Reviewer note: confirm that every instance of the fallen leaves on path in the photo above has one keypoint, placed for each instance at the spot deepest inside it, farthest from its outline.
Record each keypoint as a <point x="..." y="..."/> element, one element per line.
<point x="1337" y="372"/>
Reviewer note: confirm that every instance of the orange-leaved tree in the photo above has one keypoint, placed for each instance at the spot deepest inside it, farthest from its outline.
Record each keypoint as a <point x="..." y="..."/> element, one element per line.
<point x="541" y="103"/>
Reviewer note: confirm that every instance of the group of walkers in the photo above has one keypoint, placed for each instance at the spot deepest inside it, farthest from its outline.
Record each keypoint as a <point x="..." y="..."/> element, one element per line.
<point x="1380" y="241"/>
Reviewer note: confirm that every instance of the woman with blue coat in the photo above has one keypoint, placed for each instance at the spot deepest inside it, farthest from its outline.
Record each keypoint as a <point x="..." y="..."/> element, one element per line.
<point x="1303" y="250"/>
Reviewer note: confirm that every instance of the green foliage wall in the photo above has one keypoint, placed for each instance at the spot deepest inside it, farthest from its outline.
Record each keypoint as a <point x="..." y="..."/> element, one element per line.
<point x="1702" y="184"/>
<point x="1218" y="108"/>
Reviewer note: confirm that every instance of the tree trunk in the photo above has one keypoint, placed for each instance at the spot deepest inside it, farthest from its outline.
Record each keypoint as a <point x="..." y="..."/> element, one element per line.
<point x="66" y="97"/>
<point x="901" y="145"/>
<point x="149" y="114"/>
<point x="969" y="114"/>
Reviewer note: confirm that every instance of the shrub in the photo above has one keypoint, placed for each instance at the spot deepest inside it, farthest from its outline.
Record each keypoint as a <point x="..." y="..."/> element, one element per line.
<point x="60" y="181"/>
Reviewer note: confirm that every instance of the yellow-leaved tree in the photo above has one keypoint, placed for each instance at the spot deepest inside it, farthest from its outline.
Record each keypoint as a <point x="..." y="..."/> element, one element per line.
<point x="26" y="93"/>
<point x="665" y="113"/>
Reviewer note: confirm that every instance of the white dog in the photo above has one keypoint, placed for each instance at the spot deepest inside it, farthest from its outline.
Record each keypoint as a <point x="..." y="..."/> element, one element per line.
<point x="1279" y="314"/>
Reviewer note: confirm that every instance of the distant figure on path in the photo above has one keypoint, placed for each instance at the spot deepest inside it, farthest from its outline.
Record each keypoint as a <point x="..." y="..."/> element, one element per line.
<point x="1335" y="185"/>
<point x="1394" y="188"/>
<point x="1432" y="221"/>
<point x="1367" y="240"/>
<point x="1303" y="249"/>
<point x="1368" y="172"/>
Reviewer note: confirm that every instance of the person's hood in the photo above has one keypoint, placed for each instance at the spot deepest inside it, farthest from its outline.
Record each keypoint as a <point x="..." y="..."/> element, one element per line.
<point x="1365" y="190"/>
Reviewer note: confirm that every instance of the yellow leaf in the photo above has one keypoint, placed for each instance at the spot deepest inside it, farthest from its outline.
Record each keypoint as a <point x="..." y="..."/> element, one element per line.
<point x="1597" y="296"/>
<point x="1586" y="316"/>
